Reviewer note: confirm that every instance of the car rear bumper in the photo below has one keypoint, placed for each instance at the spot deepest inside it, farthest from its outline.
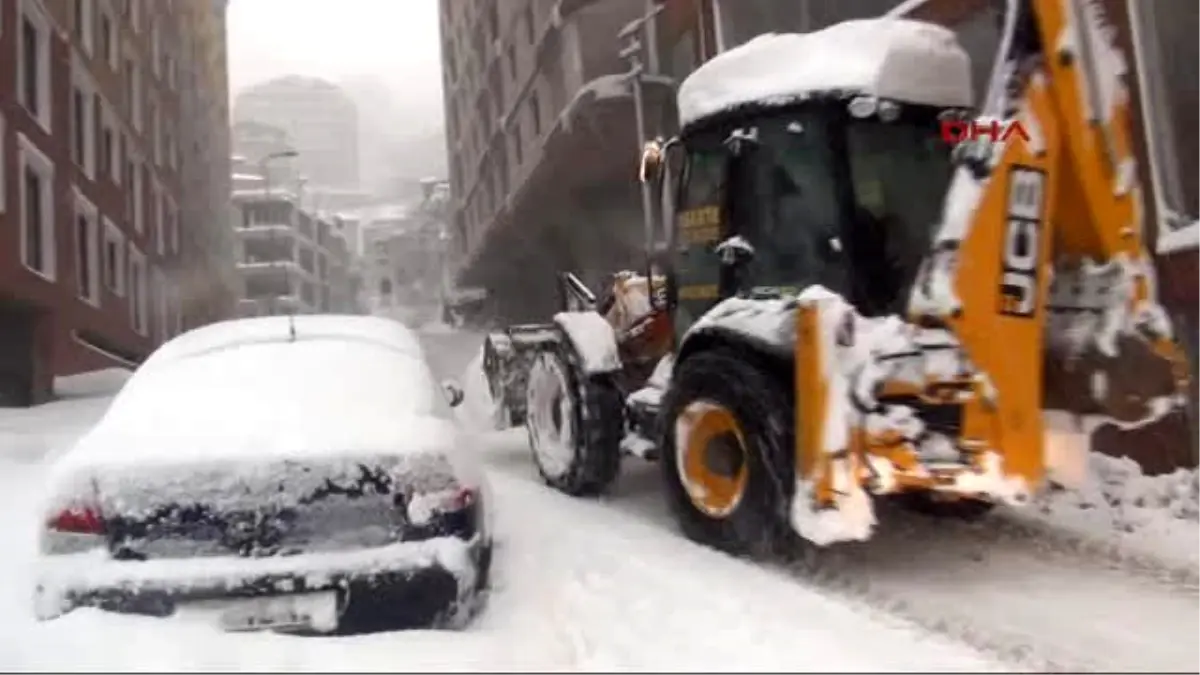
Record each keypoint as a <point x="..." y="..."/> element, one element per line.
<point x="411" y="582"/>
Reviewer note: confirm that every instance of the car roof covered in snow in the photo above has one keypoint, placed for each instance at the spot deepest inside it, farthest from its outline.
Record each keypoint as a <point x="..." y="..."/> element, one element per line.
<point x="235" y="332"/>
<point x="243" y="388"/>
<point x="897" y="59"/>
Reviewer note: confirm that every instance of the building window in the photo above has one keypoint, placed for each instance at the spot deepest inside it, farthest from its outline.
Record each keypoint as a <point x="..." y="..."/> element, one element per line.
<point x="3" y="171"/>
<point x="137" y="193"/>
<point x="1168" y="103"/>
<point x="156" y="47"/>
<point x="137" y="105"/>
<point x="156" y="132"/>
<point x="33" y="68"/>
<point x="535" y="115"/>
<point x="177" y="315"/>
<point x="84" y="24"/>
<point x="87" y="249"/>
<point x="172" y="151"/>
<point x="163" y="305"/>
<point x="113" y="265"/>
<point x="156" y="198"/>
<point x="172" y="228"/>
<point x="37" y="209"/>
<point x="110" y="143"/>
<point x="518" y="145"/>
<point x="138" y="302"/>
<point x="83" y="122"/>
<point x="108" y="36"/>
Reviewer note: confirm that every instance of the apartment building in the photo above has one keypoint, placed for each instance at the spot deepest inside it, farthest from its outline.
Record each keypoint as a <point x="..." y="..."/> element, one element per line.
<point x="91" y="243"/>
<point x="255" y="143"/>
<point x="291" y="259"/>
<point x="319" y="118"/>
<point x="541" y="143"/>
<point x="208" y="266"/>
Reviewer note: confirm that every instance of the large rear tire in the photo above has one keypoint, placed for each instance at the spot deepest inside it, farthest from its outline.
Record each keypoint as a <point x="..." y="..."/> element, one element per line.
<point x="575" y="423"/>
<point x="726" y="453"/>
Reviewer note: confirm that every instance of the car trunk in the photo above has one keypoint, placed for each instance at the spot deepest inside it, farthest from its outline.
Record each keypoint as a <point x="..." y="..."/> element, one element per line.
<point x="267" y="506"/>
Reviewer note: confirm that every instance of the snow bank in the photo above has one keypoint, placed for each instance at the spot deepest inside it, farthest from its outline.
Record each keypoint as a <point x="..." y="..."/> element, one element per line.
<point x="897" y="59"/>
<point x="1154" y="515"/>
<point x="104" y="382"/>
<point x="478" y="412"/>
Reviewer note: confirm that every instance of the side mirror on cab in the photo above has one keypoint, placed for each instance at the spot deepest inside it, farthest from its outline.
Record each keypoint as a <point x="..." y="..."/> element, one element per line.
<point x="453" y="392"/>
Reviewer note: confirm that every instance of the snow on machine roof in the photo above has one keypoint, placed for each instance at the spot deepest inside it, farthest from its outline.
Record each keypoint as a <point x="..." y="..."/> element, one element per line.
<point x="898" y="59"/>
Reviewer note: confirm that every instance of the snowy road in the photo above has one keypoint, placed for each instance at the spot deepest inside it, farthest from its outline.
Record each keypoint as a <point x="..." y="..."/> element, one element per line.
<point x="581" y="584"/>
<point x="578" y="585"/>
<point x="1035" y="596"/>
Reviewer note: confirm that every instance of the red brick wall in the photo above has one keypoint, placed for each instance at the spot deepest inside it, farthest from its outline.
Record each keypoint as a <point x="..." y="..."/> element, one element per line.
<point x="60" y="310"/>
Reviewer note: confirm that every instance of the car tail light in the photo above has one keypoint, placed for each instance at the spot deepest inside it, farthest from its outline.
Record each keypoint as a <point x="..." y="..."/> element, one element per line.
<point x="78" y="520"/>
<point x="447" y="510"/>
<point x="462" y="498"/>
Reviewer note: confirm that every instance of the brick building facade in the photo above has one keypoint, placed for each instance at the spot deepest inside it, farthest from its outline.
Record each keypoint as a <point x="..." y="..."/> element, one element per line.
<point x="90" y="162"/>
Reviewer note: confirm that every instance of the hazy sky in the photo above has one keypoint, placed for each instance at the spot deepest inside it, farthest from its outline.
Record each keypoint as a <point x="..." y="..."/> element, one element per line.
<point x="395" y="40"/>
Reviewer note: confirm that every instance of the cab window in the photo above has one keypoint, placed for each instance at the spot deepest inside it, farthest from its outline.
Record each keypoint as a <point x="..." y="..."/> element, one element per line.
<point x="900" y="173"/>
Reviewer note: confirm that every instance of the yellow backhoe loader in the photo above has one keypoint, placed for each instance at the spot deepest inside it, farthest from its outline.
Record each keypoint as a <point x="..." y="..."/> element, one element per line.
<point x="844" y="306"/>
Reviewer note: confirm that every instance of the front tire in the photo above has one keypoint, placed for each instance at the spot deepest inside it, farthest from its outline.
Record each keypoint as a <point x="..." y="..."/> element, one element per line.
<point x="726" y="453"/>
<point x="575" y="423"/>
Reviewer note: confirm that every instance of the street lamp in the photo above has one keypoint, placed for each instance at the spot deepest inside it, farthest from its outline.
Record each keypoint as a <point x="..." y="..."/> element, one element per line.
<point x="264" y="169"/>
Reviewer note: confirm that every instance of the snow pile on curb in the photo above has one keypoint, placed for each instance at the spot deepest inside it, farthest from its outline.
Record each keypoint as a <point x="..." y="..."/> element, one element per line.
<point x="436" y="327"/>
<point x="104" y="382"/>
<point x="29" y="434"/>
<point x="478" y="411"/>
<point x="1155" y="514"/>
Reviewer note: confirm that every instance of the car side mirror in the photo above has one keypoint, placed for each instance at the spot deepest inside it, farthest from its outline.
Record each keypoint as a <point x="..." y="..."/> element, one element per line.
<point x="453" y="393"/>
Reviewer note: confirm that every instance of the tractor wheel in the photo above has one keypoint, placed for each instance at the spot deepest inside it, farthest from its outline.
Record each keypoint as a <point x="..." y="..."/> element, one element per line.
<point x="726" y="453"/>
<point x="575" y="423"/>
<point x="928" y="504"/>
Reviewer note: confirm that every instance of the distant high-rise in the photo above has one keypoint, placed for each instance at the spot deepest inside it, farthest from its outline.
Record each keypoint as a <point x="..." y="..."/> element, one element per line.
<point x="320" y="119"/>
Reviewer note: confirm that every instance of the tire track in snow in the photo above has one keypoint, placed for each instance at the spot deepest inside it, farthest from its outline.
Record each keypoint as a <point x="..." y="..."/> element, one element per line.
<point x="1034" y="596"/>
<point x="1042" y="607"/>
<point x="598" y="590"/>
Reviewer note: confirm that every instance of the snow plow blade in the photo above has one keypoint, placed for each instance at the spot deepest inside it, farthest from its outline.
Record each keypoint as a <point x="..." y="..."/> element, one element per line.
<point x="507" y="357"/>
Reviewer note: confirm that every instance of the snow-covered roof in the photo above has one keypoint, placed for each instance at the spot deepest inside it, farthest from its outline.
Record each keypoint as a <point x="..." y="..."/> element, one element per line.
<point x="899" y="59"/>
<point x="225" y="334"/>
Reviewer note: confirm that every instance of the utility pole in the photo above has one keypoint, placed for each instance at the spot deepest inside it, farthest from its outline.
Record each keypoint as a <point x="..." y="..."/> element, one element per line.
<point x="638" y="37"/>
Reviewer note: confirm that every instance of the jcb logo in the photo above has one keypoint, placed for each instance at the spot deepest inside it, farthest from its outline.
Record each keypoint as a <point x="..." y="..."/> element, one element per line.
<point x="1021" y="252"/>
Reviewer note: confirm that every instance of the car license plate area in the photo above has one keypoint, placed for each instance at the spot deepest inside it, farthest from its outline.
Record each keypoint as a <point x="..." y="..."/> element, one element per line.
<point x="300" y="611"/>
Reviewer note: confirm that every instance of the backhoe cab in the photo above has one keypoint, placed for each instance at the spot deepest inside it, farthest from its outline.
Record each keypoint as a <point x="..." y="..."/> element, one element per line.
<point x="766" y="201"/>
<point x="852" y="309"/>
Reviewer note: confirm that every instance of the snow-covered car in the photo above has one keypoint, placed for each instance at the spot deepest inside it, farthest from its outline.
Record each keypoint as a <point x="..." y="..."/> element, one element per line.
<point x="288" y="473"/>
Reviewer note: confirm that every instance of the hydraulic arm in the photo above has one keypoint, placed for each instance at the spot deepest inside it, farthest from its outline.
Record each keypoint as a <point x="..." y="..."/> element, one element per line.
<point x="1040" y="245"/>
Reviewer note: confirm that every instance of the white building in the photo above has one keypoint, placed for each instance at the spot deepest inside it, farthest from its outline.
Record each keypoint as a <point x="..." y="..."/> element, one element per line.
<point x="318" y="118"/>
<point x="290" y="259"/>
